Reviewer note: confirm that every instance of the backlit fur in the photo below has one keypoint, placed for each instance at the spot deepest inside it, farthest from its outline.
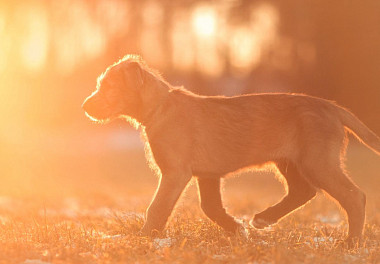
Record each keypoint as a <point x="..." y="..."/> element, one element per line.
<point x="209" y="137"/>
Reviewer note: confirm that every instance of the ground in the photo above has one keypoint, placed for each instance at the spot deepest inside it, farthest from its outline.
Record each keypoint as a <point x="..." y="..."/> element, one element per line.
<point x="74" y="207"/>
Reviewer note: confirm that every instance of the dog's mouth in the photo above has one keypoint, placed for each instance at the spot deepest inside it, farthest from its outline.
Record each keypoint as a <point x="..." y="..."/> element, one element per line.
<point x="97" y="111"/>
<point x="102" y="120"/>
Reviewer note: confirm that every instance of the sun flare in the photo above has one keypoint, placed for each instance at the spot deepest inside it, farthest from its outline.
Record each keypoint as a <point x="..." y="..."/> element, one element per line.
<point x="204" y="21"/>
<point x="34" y="48"/>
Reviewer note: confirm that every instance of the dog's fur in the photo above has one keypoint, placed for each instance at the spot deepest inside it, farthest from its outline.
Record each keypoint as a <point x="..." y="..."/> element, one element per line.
<point x="209" y="137"/>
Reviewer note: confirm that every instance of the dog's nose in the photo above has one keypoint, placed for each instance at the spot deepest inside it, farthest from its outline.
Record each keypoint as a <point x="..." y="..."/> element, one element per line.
<point x="85" y="105"/>
<point x="94" y="107"/>
<point x="89" y="105"/>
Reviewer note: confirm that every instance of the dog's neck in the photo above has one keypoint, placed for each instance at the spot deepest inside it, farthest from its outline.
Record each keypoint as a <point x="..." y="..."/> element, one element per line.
<point x="155" y="94"/>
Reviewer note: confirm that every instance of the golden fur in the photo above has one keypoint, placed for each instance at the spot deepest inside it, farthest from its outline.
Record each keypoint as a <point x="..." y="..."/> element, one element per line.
<point x="209" y="137"/>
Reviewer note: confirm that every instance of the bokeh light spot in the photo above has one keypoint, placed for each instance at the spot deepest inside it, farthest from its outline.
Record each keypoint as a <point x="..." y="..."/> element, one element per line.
<point x="34" y="47"/>
<point x="204" y="21"/>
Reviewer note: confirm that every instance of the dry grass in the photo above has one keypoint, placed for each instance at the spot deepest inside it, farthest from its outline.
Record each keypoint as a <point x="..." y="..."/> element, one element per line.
<point x="73" y="233"/>
<point x="96" y="219"/>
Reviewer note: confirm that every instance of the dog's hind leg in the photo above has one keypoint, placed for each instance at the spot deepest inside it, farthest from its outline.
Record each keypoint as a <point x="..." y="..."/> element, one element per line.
<point x="300" y="191"/>
<point x="337" y="184"/>
<point x="211" y="204"/>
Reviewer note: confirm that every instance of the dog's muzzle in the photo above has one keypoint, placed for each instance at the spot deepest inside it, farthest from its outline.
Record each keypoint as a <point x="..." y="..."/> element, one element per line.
<point x="95" y="108"/>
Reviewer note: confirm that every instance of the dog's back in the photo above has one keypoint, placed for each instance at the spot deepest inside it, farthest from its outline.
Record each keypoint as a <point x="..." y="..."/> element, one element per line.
<point x="224" y="134"/>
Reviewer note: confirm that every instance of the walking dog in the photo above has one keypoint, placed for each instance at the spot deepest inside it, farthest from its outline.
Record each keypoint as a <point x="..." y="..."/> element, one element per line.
<point x="208" y="137"/>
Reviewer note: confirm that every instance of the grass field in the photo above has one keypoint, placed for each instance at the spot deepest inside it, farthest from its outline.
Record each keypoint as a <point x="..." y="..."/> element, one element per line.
<point x="61" y="205"/>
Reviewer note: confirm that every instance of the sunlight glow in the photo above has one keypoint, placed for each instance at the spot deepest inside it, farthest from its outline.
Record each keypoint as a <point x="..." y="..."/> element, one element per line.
<point x="249" y="44"/>
<point x="264" y="21"/>
<point x="204" y="21"/>
<point x="151" y="36"/>
<point x="78" y="37"/>
<point x="153" y="13"/>
<point x="245" y="50"/>
<point x="4" y="43"/>
<point x="182" y="50"/>
<point x="35" y="45"/>
<point x="112" y="15"/>
<point x="208" y="59"/>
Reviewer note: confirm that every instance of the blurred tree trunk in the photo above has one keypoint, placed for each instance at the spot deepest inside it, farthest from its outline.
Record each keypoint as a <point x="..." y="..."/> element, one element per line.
<point x="346" y="36"/>
<point x="348" y="58"/>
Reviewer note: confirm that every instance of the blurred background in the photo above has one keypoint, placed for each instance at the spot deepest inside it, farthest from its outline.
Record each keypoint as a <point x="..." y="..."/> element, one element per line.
<point x="51" y="53"/>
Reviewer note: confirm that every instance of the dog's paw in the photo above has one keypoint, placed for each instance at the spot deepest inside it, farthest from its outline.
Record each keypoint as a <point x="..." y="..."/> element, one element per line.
<point x="260" y="223"/>
<point x="147" y="232"/>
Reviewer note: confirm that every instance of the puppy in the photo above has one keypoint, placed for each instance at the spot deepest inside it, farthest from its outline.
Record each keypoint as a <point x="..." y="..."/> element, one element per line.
<point x="209" y="137"/>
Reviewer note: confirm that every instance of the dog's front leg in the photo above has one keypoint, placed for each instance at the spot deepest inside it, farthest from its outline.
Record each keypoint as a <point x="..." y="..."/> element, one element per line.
<point x="168" y="191"/>
<point x="212" y="206"/>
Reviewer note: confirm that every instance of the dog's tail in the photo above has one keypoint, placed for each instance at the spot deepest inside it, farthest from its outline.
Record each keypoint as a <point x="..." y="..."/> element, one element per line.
<point x="361" y="131"/>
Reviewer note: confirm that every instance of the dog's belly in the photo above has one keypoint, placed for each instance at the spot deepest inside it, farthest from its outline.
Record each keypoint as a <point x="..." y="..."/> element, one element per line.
<point x="220" y="170"/>
<point x="241" y="145"/>
<point x="220" y="164"/>
<point x="224" y="157"/>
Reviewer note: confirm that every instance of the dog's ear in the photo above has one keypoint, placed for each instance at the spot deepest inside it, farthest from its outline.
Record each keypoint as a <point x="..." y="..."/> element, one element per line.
<point x="133" y="75"/>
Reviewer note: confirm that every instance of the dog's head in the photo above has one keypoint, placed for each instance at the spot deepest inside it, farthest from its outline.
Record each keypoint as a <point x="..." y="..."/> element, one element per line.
<point x="117" y="92"/>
